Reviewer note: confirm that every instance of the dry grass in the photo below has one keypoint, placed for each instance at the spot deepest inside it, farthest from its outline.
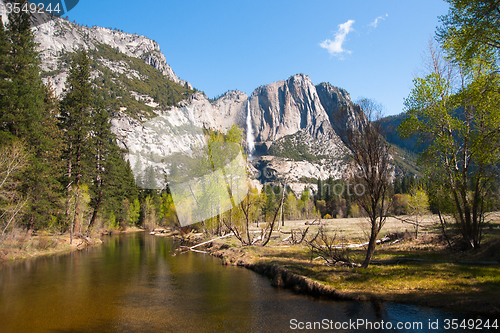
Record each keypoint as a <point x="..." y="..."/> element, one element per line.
<point x="17" y="245"/>
<point x="356" y="228"/>
<point x="450" y="285"/>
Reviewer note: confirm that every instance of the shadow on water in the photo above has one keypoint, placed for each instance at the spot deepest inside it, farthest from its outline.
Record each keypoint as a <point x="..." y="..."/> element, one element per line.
<point x="136" y="283"/>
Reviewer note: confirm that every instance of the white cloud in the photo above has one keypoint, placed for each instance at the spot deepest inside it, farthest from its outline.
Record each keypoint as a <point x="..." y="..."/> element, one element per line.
<point x="375" y="23"/>
<point x="335" y="47"/>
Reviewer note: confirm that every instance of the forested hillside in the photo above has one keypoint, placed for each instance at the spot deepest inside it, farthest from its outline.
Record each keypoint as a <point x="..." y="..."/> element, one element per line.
<point x="61" y="169"/>
<point x="126" y="83"/>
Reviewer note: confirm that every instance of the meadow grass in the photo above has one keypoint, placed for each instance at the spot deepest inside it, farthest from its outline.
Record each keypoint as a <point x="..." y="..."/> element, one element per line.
<point x="462" y="284"/>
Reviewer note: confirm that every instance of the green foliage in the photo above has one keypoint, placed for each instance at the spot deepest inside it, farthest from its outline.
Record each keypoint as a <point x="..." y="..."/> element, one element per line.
<point x="291" y="147"/>
<point x="134" y="212"/>
<point x="94" y="165"/>
<point x="138" y="77"/>
<point x="5" y="48"/>
<point x="270" y="202"/>
<point x="306" y="205"/>
<point x="75" y="116"/>
<point x="113" y="223"/>
<point x="461" y="120"/>
<point x="27" y="115"/>
<point x="418" y="201"/>
<point x="119" y="185"/>
<point x="290" y="207"/>
<point x="75" y="122"/>
<point x="167" y="209"/>
<point x="333" y="197"/>
<point x="234" y="135"/>
<point x="470" y="27"/>
<point x="149" y="211"/>
<point x="404" y="184"/>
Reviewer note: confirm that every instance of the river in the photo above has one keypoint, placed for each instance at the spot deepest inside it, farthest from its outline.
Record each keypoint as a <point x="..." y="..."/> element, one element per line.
<point x="137" y="283"/>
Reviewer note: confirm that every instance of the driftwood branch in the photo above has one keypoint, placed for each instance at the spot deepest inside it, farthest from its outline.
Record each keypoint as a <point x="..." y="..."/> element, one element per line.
<point x="322" y="245"/>
<point x="296" y="237"/>
<point x="210" y="241"/>
<point x="192" y="248"/>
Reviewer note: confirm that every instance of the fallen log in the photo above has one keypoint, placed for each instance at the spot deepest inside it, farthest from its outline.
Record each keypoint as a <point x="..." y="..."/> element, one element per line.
<point x="210" y="241"/>
<point x="198" y="251"/>
<point x="353" y="246"/>
<point x="315" y="222"/>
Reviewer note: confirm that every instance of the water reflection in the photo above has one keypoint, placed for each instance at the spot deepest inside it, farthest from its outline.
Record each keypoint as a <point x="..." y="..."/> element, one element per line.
<point x="135" y="283"/>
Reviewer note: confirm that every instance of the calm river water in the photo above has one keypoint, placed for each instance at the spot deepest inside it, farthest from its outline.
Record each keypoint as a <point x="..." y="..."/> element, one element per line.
<point x="135" y="283"/>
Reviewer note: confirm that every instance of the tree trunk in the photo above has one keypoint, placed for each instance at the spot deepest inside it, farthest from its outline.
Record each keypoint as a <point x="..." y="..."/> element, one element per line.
<point x="68" y="187"/>
<point x="96" y="210"/>
<point x="371" y="249"/>
<point x="77" y="212"/>
<point x="274" y="220"/>
<point x="78" y="176"/>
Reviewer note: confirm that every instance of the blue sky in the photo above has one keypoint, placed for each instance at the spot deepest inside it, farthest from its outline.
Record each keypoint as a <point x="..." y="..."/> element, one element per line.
<point x="370" y="48"/>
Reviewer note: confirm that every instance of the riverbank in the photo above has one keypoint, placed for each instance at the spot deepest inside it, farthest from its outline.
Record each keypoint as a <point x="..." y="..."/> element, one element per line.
<point x="435" y="276"/>
<point x="16" y="246"/>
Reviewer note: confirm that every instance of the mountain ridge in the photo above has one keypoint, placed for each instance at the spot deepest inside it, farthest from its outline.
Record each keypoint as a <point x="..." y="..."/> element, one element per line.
<point x="290" y="114"/>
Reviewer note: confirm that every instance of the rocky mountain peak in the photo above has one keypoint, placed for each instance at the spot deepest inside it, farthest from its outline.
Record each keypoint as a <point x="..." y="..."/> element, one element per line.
<point x="293" y="118"/>
<point x="233" y="95"/>
<point x="286" y="107"/>
<point x="59" y="37"/>
<point x="231" y="109"/>
<point x="341" y="111"/>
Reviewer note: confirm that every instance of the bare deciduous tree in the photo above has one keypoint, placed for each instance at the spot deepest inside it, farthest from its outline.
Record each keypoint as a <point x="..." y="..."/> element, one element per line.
<point x="13" y="160"/>
<point x="323" y="244"/>
<point x="371" y="168"/>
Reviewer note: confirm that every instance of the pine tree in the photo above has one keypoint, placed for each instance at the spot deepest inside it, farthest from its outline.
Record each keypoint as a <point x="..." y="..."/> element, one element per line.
<point x="42" y="177"/>
<point x="4" y="76"/>
<point x="101" y="145"/>
<point x="75" y="116"/>
<point x="120" y="186"/>
<point x="27" y="116"/>
<point x="23" y="94"/>
<point x="113" y="182"/>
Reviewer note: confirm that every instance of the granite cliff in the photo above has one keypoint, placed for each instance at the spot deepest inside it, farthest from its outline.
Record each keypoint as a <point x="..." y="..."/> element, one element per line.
<point x="59" y="37"/>
<point x="297" y="126"/>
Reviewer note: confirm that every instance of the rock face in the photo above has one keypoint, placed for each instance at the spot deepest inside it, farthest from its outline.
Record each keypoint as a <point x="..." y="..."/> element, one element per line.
<point x="341" y="111"/>
<point x="231" y="109"/>
<point x="59" y="37"/>
<point x="298" y="121"/>
<point x="286" y="107"/>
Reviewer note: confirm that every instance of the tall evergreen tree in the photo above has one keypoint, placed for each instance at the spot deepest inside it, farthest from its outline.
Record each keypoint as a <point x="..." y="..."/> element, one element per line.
<point x="112" y="178"/>
<point x="75" y="117"/>
<point x="27" y="115"/>
<point x="120" y="185"/>
<point x="101" y="145"/>
<point x="4" y="57"/>
<point x="23" y="94"/>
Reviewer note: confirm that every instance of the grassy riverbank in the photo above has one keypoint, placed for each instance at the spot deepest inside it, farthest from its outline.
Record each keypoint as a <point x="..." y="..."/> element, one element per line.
<point x="466" y="281"/>
<point x="17" y="245"/>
